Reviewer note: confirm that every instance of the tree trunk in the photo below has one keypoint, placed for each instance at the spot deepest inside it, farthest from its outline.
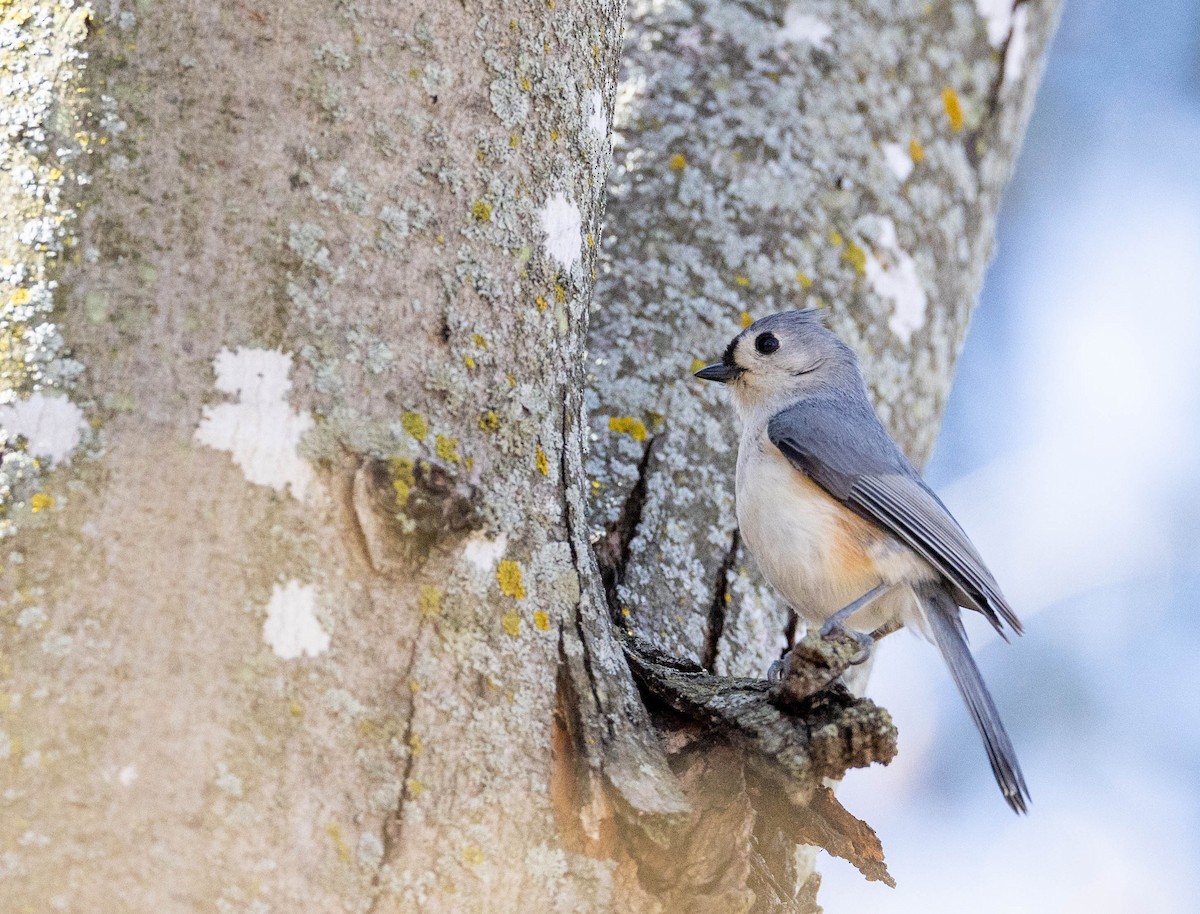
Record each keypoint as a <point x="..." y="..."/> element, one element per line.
<point x="301" y="605"/>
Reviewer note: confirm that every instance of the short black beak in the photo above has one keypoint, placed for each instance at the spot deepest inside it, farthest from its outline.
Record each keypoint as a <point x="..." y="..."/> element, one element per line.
<point x="721" y="373"/>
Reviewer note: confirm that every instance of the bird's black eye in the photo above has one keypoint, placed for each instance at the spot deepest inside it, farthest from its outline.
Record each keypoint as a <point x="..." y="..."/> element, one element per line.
<point x="766" y="343"/>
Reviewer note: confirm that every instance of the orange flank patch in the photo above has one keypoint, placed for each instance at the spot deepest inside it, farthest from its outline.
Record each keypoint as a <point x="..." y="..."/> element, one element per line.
<point x="852" y="546"/>
<point x="850" y="542"/>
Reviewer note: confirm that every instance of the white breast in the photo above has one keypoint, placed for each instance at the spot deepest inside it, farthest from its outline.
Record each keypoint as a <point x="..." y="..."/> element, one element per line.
<point x="802" y="541"/>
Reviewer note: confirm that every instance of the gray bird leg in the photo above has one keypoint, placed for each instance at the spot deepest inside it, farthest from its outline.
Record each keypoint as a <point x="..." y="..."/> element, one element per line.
<point x="835" y="621"/>
<point x="834" y="636"/>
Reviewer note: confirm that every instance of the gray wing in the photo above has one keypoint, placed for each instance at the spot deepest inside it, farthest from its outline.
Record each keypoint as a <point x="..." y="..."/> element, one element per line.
<point x="839" y="443"/>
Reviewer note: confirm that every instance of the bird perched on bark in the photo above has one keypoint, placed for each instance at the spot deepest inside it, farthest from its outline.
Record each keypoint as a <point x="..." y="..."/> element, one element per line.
<point x="839" y="521"/>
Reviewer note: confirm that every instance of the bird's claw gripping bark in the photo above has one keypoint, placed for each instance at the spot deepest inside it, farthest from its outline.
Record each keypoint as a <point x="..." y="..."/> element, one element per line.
<point x="817" y="660"/>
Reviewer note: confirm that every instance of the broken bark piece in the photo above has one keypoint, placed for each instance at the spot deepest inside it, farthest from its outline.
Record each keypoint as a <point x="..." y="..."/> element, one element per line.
<point x="814" y="663"/>
<point x="786" y="749"/>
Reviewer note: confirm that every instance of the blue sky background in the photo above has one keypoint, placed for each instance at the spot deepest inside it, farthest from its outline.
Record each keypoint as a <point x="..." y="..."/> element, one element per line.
<point x="1070" y="454"/>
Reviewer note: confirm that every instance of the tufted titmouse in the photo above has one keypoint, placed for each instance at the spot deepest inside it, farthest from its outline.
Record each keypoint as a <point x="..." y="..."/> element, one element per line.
<point x="838" y="520"/>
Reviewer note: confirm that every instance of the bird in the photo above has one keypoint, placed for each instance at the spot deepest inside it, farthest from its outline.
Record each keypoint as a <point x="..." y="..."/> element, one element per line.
<point x="841" y="524"/>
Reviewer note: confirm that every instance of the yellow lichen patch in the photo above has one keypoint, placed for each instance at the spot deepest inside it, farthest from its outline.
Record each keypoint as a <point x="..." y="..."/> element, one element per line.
<point x="541" y="303"/>
<point x="804" y="279"/>
<point x="512" y="584"/>
<point x="539" y="458"/>
<point x="415" y="425"/>
<point x="628" y="425"/>
<point x="413" y="787"/>
<point x="953" y="108"/>
<point x="745" y="319"/>
<point x="296" y="709"/>
<point x="430" y="602"/>
<point x="339" y="843"/>
<point x="403" y="491"/>
<point x="597" y="485"/>
<point x="916" y="151"/>
<point x="856" y="257"/>
<point x="482" y="211"/>
<point x="554" y="134"/>
<point x="41" y="501"/>
<point x="742" y="281"/>
<point x="696" y="365"/>
<point x="489" y="421"/>
<point x="541" y="620"/>
<point x="511" y="623"/>
<point x="678" y="162"/>
<point x="472" y="854"/>
<point x="560" y="293"/>
<point x="514" y="140"/>
<point x="402" y="479"/>
<point x="19" y="297"/>
<point x="469" y="361"/>
<point x="526" y="85"/>
<point x="479" y="341"/>
<point x="835" y="238"/>
<point x="447" y="449"/>
<point x="414" y="744"/>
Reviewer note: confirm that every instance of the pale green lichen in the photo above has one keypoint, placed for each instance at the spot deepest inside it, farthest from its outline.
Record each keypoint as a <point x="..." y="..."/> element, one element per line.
<point x="750" y="179"/>
<point x="45" y="144"/>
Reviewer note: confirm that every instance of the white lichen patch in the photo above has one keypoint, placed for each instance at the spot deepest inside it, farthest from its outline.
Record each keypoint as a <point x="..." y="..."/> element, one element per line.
<point x="261" y="430"/>
<point x="563" y="224"/>
<point x="484" y="553"/>
<point x="898" y="160"/>
<point x="597" y="120"/>
<point x="800" y="27"/>
<point x="998" y="17"/>
<point x="50" y="425"/>
<point x="892" y="273"/>
<point x="1018" y="46"/>
<point x="227" y="782"/>
<point x="291" y="627"/>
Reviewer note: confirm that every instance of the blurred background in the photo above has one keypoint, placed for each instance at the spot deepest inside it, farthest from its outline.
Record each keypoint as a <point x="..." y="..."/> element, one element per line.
<point x="1070" y="454"/>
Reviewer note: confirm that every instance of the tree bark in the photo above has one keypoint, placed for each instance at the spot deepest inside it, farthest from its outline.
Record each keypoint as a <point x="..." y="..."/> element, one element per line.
<point x="770" y="155"/>
<point x="302" y="606"/>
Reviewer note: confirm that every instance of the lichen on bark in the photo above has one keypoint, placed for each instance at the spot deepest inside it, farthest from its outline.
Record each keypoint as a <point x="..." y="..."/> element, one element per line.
<point x="772" y="155"/>
<point x="48" y="132"/>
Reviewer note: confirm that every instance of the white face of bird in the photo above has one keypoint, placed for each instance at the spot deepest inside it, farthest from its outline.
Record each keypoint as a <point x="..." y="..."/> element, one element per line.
<point x="780" y="359"/>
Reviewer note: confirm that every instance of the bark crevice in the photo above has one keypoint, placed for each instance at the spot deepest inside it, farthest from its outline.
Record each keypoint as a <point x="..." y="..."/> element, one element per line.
<point x="715" y="626"/>
<point x="613" y="550"/>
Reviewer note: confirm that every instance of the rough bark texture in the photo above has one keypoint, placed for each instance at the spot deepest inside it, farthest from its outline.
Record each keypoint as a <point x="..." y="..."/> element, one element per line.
<point x="769" y="155"/>
<point x="299" y="604"/>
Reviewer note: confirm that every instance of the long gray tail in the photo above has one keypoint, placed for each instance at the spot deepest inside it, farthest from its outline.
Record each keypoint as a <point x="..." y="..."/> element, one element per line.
<point x="951" y="639"/>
